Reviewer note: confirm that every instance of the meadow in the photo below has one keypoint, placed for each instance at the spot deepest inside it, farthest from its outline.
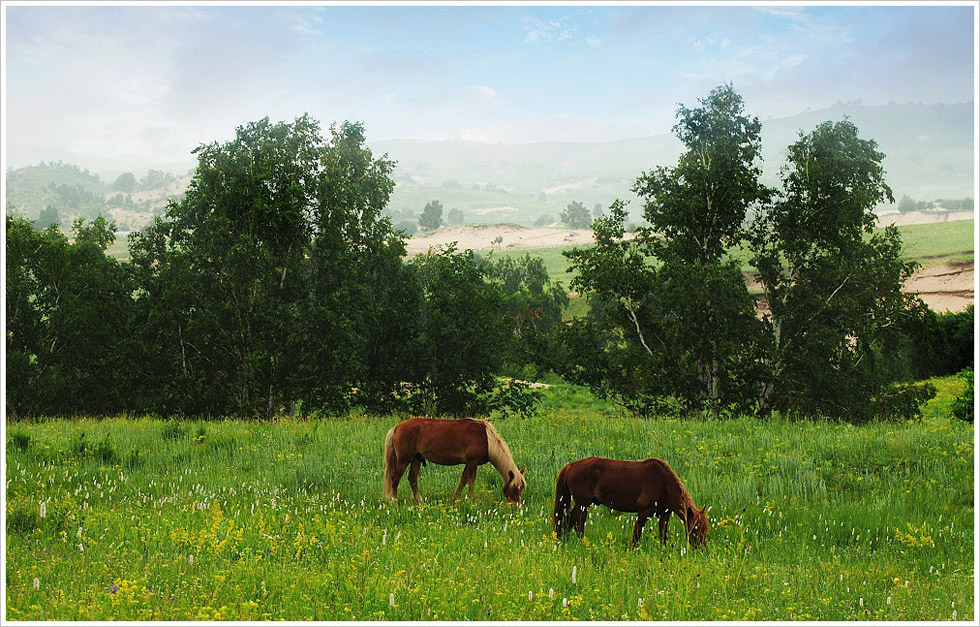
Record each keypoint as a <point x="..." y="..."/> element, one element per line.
<point x="146" y="518"/>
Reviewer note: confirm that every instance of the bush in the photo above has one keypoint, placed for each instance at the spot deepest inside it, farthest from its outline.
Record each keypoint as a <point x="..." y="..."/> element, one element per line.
<point x="903" y="401"/>
<point x="19" y="440"/>
<point x="963" y="404"/>
<point x="513" y="397"/>
<point x="105" y="450"/>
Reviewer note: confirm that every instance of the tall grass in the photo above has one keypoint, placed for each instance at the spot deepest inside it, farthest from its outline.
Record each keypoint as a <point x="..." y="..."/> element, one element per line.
<point x="253" y="521"/>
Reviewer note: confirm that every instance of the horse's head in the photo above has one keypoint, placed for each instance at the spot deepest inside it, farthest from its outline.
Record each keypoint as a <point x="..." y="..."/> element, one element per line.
<point x="514" y="485"/>
<point x="697" y="526"/>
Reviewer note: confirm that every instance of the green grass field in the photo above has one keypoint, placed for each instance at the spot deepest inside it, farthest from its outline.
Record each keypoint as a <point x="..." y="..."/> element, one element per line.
<point x="149" y="519"/>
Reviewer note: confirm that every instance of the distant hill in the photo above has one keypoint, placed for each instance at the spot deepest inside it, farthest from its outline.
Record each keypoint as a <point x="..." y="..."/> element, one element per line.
<point x="928" y="155"/>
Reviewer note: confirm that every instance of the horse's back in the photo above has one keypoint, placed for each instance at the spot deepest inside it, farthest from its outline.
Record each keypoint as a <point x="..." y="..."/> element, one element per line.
<point x="621" y="484"/>
<point x="446" y="442"/>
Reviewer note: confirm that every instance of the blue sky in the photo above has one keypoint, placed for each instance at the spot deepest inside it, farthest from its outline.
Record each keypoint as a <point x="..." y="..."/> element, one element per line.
<point x="130" y="87"/>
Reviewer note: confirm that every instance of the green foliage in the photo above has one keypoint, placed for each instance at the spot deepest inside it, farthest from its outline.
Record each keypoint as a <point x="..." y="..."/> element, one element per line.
<point x="125" y="182"/>
<point x="18" y="439"/>
<point x="155" y="179"/>
<point x="903" y="401"/>
<point x="963" y="407"/>
<point x="575" y="216"/>
<point x="68" y="306"/>
<point x="531" y="306"/>
<point x="832" y="283"/>
<point x="431" y="218"/>
<point x="462" y="335"/>
<point x="48" y="217"/>
<point x="672" y="318"/>
<point x="514" y="397"/>
<point x="455" y="216"/>
<point x="66" y="187"/>
<point x="698" y="206"/>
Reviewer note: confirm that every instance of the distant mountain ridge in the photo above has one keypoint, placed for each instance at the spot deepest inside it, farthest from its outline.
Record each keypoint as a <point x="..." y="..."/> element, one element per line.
<point x="928" y="149"/>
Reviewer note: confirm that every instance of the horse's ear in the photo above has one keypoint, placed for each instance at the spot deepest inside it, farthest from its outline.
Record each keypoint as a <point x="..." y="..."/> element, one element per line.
<point x="523" y="470"/>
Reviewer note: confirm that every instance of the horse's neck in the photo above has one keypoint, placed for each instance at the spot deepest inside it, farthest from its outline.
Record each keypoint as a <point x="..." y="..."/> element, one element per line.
<point x="499" y="457"/>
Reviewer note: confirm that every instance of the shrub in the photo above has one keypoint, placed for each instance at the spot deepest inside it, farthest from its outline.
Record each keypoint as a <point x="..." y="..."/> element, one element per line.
<point x="19" y="440"/>
<point x="963" y="404"/>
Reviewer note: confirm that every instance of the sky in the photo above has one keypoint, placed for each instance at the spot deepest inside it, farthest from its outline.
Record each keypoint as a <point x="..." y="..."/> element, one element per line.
<point x="117" y="88"/>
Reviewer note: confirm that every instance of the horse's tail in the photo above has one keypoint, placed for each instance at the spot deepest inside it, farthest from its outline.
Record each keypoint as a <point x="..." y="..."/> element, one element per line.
<point x="563" y="503"/>
<point x="390" y="461"/>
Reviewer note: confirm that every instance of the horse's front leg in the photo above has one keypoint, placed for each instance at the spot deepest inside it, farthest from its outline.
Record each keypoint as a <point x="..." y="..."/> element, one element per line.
<point x="579" y="514"/>
<point x="472" y="481"/>
<point x="413" y="479"/>
<point x="664" y="519"/>
<point x="641" y="519"/>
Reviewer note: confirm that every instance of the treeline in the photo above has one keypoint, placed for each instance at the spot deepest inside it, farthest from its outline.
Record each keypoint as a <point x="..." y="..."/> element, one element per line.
<point x="273" y="286"/>
<point x="907" y="203"/>
<point x="278" y="285"/>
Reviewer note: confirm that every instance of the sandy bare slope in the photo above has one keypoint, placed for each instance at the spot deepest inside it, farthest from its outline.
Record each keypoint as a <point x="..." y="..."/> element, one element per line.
<point x="512" y="237"/>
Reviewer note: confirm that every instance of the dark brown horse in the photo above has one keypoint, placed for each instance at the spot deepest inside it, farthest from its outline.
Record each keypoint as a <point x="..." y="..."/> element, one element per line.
<point x="449" y="443"/>
<point x="649" y="488"/>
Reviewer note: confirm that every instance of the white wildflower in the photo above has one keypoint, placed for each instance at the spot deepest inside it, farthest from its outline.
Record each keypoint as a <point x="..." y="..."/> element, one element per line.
<point x="391" y="599"/>
<point x="44" y="510"/>
<point x="37" y="583"/>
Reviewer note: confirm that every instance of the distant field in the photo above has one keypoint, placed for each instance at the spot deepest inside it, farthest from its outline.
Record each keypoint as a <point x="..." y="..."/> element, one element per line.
<point x="154" y="520"/>
<point x="940" y="241"/>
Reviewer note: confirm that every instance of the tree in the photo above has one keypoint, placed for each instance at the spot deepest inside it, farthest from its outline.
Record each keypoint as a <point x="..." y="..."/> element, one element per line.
<point x="597" y="210"/>
<point x="48" y="217"/>
<point x="544" y="220"/>
<point x="125" y="182"/>
<point x="832" y="284"/>
<point x="462" y="332"/>
<point x="455" y="216"/>
<point x="68" y="308"/>
<point x="575" y="216"/>
<point x="155" y="179"/>
<point x="431" y="218"/>
<point x="695" y="211"/>
<point x="907" y="204"/>
<point x="531" y="305"/>
<point x="270" y="281"/>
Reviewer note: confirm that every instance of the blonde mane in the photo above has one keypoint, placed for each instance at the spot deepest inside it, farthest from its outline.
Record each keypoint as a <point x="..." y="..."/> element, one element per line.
<point x="499" y="454"/>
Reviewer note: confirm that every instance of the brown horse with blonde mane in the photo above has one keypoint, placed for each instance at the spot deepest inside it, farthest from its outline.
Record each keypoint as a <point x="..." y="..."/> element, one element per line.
<point x="448" y="443"/>
<point x="649" y="488"/>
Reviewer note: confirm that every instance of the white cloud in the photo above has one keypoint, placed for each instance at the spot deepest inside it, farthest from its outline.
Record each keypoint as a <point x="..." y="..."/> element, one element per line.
<point x="539" y="31"/>
<point x="482" y="93"/>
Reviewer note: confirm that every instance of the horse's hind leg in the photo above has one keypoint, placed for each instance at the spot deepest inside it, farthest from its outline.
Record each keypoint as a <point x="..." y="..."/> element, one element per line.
<point x="664" y="519"/>
<point x="467" y="470"/>
<point x="396" y="476"/>
<point x="641" y="519"/>
<point x="413" y="478"/>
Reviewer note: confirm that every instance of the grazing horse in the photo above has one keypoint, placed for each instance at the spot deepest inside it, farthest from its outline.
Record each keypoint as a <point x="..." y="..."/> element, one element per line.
<point x="649" y="488"/>
<point x="449" y="443"/>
